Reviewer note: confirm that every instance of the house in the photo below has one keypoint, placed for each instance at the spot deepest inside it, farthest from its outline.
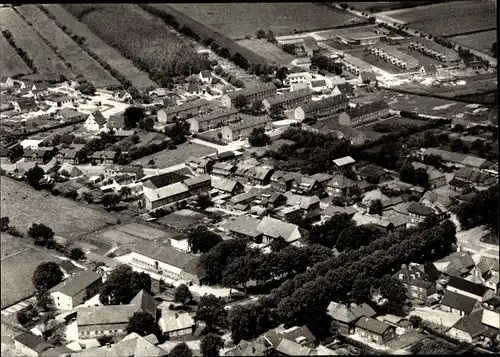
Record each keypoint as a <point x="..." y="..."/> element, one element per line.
<point x="458" y="159"/>
<point x="6" y="82"/>
<point x="116" y="122"/>
<point x="319" y="85"/>
<point x="459" y="304"/>
<point x="31" y="345"/>
<point x="374" y="330"/>
<point x="310" y="45"/>
<point x="322" y="178"/>
<point x="25" y="105"/>
<point x="168" y="194"/>
<point x="364" y="113"/>
<point x="243" y="129"/>
<point x="198" y="184"/>
<point x="491" y="319"/>
<point x="392" y="55"/>
<point x="296" y="341"/>
<point x="170" y="114"/>
<point x="136" y="172"/>
<point x="200" y="165"/>
<point x="416" y="282"/>
<point x="251" y="94"/>
<point x="433" y="49"/>
<point x="162" y="180"/>
<point x="401" y="324"/>
<point x="95" y="122"/>
<point x="271" y="199"/>
<point x="340" y="186"/>
<point x="353" y="64"/>
<point x="132" y="345"/>
<point x="418" y="212"/>
<point x="69" y="114"/>
<point x="305" y="185"/>
<point x="223" y="169"/>
<point x="262" y="175"/>
<point x="104" y="157"/>
<point x="11" y="153"/>
<point x="167" y="261"/>
<point x="307" y="204"/>
<point x="455" y="264"/>
<point x="69" y="170"/>
<point x="469" y="328"/>
<point x="282" y="181"/>
<point x="206" y="76"/>
<point x="122" y="96"/>
<point x="287" y="101"/>
<point x="343" y="316"/>
<point x="176" y="323"/>
<point x="60" y="100"/>
<point x="62" y="351"/>
<point x="345" y="89"/>
<point x="319" y="108"/>
<point x="245" y="348"/>
<point x="213" y="120"/>
<point x="227" y="185"/>
<point x="76" y="289"/>
<point x="345" y="162"/>
<point x="68" y="268"/>
<point x="194" y="89"/>
<point x="331" y="211"/>
<point x="273" y="228"/>
<point x="246" y="227"/>
<point x="301" y="335"/>
<point x="470" y="289"/>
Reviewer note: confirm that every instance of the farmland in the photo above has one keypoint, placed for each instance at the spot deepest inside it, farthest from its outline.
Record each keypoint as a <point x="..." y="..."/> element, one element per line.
<point x="125" y="67"/>
<point x="238" y="20"/>
<point x="167" y="158"/>
<point x="271" y="52"/>
<point x="25" y="206"/>
<point x="44" y="59"/>
<point x="480" y="41"/>
<point x="80" y="61"/>
<point x="10" y="62"/>
<point x="383" y="6"/>
<point x="442" y="19"/>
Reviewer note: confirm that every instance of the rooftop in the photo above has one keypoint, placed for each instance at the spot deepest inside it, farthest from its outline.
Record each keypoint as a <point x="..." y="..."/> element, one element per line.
<point x="76" y="283"/>
<point x="163" y="253"/>
<point x="372" y="325"/>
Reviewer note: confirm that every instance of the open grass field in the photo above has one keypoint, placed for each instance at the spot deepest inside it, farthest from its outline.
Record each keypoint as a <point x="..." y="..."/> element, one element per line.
<point x="236" y="20"/>
<point x="442" y="19"/>
<point x="81" y="62"/>
<point x="69" y="219"/>
<point x="10" y="62"/>
<point x="480" y="41"/>
<point x="125" y="67"/>
<point x="44" y="59"/>
<point x="167" y="158"/>
<point x="271" y="52"/>
<point x="141" y="231"/>
<point x="372" y="6"/>
<point x="332" y="34"/>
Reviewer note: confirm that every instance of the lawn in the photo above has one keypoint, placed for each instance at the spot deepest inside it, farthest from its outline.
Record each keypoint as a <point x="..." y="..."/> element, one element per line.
<point x="167" y="158"/>
<point x="237" y="20"/>
<point x="44" y="59"/>
<point x="125" y="67"/>
<point x="271" y="52"/>
<point x="332" y="34"/>
<point x="69" y="219"/>
<point x="17" y="271"/>
<point x="375" y="60"/>
<point x="10" y="62"/>
<point x="81" y="62"/>
<point x="481" y="41"/>
<point x="141" y="231"/>
<point x="422" y="59"/>
<point x="442" y="19"/>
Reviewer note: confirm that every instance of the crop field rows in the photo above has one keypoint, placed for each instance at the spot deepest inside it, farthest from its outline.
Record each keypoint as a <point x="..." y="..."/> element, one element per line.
<point x="80" y="61"/>
<point x="44" y="59"/>
<point x="10" y="62"/>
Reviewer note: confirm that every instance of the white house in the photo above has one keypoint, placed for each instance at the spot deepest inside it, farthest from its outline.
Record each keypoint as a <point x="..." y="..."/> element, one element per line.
<point x="6" y="82"/>
<point x="95" y="122"/>
<point x="206" y="76"/>
<point x="75" y="290"/>
<point x="122" y="96"/>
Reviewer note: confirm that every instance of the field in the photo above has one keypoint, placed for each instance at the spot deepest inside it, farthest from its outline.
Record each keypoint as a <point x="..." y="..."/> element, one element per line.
<point x="167" y="158"/>
<point x="237" y="20"/>
<point x="80" y="61"/>
<point x="141" y="231"/>
<point x="332" y="34"/>
<point x="442" y="19"/>
<point x="69" y="219"/>
<point x="105" y="52"/>
<point x="271" y="52"/>
<point x="382" y="6"/>
<point x="10" y="62"/>
<point x="481" y="41"/>
<point x="44" y="59"/>
<point x="17" y="269"/>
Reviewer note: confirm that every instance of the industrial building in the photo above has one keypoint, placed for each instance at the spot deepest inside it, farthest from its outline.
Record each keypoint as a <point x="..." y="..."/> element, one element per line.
<point x="360" y="39"/>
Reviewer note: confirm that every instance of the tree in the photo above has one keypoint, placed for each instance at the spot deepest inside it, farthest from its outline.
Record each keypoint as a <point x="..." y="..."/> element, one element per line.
<point x="278" y="244"/>
<point x="216" y="259"/>
<point x="415" y="320"/>
<point x="258" y="137"/>
<point x="328" y="233"/>
<point x="44" y="301"/>
<point x="238" y="272"/>
<point x="110" y="200"/>
<point x="86" y="88"/>
<point x="407" y="173"/>
<point x="181" y="350"/>
<point x="260" y="33"/>
<point x="360" y="291"/>
<point x="147" y="123"/>
<point x="210" y="345"/>
<point x="204" y="201"/>
<point x="257" y="107"/>
<point x="395" y="293"/>
<point x="376" y="207"/>
<point x="125" y="191"/>
<point x="494" y="49"/>
<point x="27" y="315"/>
<point x="76" y="253"/>
<point x="202" y="240"/>
<point x="122" y="285"/>
<point x="178" y="131"/>
<point x="34" y="175"/>
<point x="46" y="276"/>
<point x="88" y="197"/>
<point x="104" y="340"/>
<point x="4" y="224"/>
<point x="240" y="102"/>
<point x="277" y="112"/>
<point x="282" y="73"/>
<point x="182" y="294"/>
<point x="143" y="323"/>
<point x="211" y="311"/>
<point x="132" y="116"/>
<point x="43" y="235"/>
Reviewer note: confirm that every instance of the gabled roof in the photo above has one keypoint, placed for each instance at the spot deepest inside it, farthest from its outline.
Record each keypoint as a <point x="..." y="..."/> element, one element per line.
<point x="251" y="91"/>
<point x="167" y="191"/>
<point x="341" y="312"/>
<point x="372" y="325"/>
<point x="458" y="301"/>
<point x="302" y="333"/>
<point x="69" y="267"/>
<point x="345" y="88"/>
<point x="245" y="225"/>
<point x="324" y="103"/>
<point x="33" y="342"/>
<point x="215" y="115"/>
<point x="186" y="106"/>
<point x="471" y="324"/>
<point x="206" y="74"/>
<point x="363" y="310"/>
<point x="318" y="83"/>
<point x="116" y="121"/>
<point x="341" y="182"/>
<point x="366" y="109"/>
<point x="283" y="98"/>
<point x="419" y="209"/>
<point x="292" y="348"/>
<point x="130" y="347"/>
<point x="165" y="179"/>
<point x="76" y="283"/>
<point x="193" y="87"/>
<point x="467" y="286"/>
<point x="346" y="160"/>
<point x="99" y="118"/>
<point x="145" y="302"/>
<point x="176" y="321"/>
<point x="163" y="253"/>
<point x="224" y="184"/>
<point x="410" y="274"/>
<point x="197" y="180"/>
<point x="275" y="228"/>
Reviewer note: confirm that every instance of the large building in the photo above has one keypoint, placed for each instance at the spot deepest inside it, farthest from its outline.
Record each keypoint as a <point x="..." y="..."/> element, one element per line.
<point x="76" y="289"/>
<point x="323" y="107"/>
<point x="433" y="49"/>
<point x="195" y="107"/>
<point x="364" y="113"/>
<point x="394" y="56"/>
<point x="242" y="130"/>
<point x="360" y="39"/>
<point x="213" y="120"/>
<point x="251" y="94"/>
<point x="290" y="100"/>
<point x="353" y="64"/>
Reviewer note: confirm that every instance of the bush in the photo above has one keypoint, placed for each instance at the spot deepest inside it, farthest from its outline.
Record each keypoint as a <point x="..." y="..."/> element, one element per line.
<point x="104" y="340"/>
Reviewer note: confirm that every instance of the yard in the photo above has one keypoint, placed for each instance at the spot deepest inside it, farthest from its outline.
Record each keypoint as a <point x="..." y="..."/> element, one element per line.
<point x="69" y="219"/>
<point x="376" y="61"/>
<point x="442" y="19"/>
<point x="481" y="41"/>
<point x="10" y="62"/>
<point x="80" y="61"/>
<point x="167" y="158"/>
<point x="237" y="20"/>
<point x="182" y="219"/>
<point x="271" y="52"/>
<point x="422" y="59"/>
<point x="44" y="59"/>
<point x="105" y="52"/>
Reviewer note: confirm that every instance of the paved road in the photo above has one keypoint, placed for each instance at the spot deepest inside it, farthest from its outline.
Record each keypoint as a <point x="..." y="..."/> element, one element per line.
<point x="470" y="240"/>
<point x="99" y="169"/>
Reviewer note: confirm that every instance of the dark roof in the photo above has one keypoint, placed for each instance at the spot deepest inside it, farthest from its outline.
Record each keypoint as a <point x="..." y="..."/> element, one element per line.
<point x="318" y="83"/>
<point x="363" y="310"/>
<point x="467" y="286"/>
<point x="99" y="118"/>
<point x="192" y="181"/>
<point x="372" y="325"/>
<point x="76" y="283"/>
<point x="471" y="324"/>
<point x="146" y="302"/>
<point x="367" y="108"/>
<point x="421" y="283"/>
<point x="341" y="182"/>
<point x="57" y="351"/>
<point x="33" y="342"/>
<point x="288" y="96"/>
<point x="163" y="253"/>
<point x="458" y="301"/>
<point x="457" y="183"/>
<point x="69" y="267"/>
<point x="419" y="209"/>
<point x="27" y="103"/>
<point x="116" y="121"/>
<point x="166" y="179"/>
<point x="297" y="332"/>
<point x="324" y="103"/>
<point x="410" y="273"/>
<point x="251" y="91"/>
<point x="372" y="171"/>
<point x="345" y="88"/>
<point x="186" y="106"/>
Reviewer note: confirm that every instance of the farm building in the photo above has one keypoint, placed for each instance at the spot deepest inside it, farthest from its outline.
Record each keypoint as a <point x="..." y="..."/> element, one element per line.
<point x="58" y="101"/>
<point x="213" y="120"/>
<point x="242" y="130"/>
<point x="364" y="113"/>
<point x="360" y="39"/>
<point x="458" y="159"/>
<point x="321" y="107"/>
<point x="468" y="328"/>
<point x="290" y="100"/>
<point x="251" y="94"/>
<point x="432" y="49"/>
<point x="25" y="105"/>
<point x="353" y="64"/>
<point x="206" y="76"/>
<point x="374" y="330"/>
<point x="195" y="107"/>
<point x="470" y="289"/>
<point x="95" y="122"/>
<point x="116" y="122"/>
<point x="459" y="304"/>
<point x="394" y="56"/>
<point x="76" y="289"/>
<point x="176" y="323"/>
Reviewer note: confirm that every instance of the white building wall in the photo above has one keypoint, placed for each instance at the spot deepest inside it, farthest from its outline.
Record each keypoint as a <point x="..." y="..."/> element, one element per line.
<point x="62" y="301"/>
<point x="164" y="269"/>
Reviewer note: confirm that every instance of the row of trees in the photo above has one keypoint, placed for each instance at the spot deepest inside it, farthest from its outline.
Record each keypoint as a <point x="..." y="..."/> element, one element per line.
<point x="481" y="210"/>
<point x="326" y="63"/>
<point x="24" y="56"/>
